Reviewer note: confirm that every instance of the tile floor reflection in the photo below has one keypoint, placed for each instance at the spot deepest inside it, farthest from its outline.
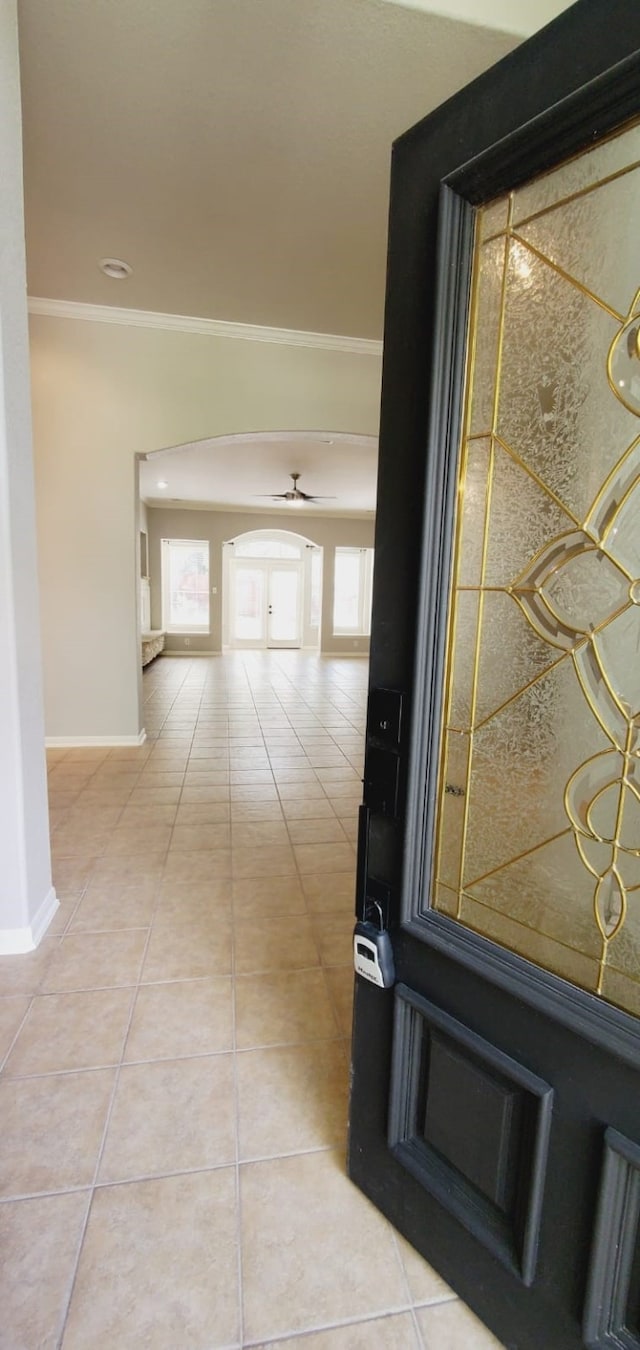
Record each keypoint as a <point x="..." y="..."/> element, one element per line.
<point x="175" y="1054"/>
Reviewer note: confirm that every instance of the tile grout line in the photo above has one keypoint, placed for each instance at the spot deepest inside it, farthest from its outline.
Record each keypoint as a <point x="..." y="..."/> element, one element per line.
<point x="309" y="912"/>
<point x="416" y="1325"/>
<point x="283" y="1338"/>
<point x="107" y="1123"/>
<point x="213" y="708"/>
<point x="5" y="1059"/>
<point x="236" y="1122"/>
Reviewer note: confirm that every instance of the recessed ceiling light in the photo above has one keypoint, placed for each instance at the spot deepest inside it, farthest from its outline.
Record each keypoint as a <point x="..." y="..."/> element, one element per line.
<point x="115" y="268"/>
<point x="162" y="483"/>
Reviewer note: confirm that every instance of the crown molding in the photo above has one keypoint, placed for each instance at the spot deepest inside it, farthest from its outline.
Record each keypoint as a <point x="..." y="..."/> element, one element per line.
<point x="182" y="323"/>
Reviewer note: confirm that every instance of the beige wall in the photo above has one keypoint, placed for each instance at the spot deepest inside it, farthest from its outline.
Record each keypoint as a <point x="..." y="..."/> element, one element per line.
<point x="218" y="526"/>
<point x="103" y="393"/>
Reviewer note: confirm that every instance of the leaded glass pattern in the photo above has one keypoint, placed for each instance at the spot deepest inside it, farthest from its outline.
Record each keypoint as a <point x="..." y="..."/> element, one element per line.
<point x="538" y="834"/>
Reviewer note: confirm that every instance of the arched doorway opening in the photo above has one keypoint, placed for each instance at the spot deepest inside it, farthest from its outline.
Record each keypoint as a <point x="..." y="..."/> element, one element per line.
<point x="271" y="591"/>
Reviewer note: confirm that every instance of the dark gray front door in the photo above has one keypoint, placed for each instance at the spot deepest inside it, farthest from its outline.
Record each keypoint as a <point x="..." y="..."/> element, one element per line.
<point x="495" y="1114"/>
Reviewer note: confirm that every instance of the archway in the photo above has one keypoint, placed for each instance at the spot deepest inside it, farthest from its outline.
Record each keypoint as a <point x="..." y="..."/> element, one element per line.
<point x="271" y="591"/>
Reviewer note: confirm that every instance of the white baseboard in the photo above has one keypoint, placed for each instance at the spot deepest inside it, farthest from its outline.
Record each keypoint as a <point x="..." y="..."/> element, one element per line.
<point x="76" y="742"/>
<point x="16" y="941"/>
<point x="343" y="653"/>
<point x="168" y="652"/>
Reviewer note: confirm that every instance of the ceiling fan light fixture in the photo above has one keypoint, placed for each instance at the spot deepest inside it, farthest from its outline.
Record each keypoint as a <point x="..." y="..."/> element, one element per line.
<point x="294" y="496"/>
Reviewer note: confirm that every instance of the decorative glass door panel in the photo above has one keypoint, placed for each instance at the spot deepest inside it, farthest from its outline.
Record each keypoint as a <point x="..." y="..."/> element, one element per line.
<point x="538" y="835"/>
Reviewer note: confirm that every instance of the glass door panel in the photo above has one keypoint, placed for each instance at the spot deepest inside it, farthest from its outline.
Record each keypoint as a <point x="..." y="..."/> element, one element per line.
<point x="249" y="593"/>
<point x="284" y="617"/>
<point x="538" y="838"/>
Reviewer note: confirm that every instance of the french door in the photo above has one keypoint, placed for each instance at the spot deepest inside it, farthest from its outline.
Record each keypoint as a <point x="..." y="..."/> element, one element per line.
<point x="266" y="603"/>
<point x="495" y="1110"/>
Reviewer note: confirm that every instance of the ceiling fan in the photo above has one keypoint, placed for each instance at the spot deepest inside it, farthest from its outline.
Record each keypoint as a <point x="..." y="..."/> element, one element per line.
<point x="295" y="495"/>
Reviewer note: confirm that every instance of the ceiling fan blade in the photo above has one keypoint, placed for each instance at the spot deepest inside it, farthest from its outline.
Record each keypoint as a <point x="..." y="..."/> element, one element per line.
<point x="295" y="494"/>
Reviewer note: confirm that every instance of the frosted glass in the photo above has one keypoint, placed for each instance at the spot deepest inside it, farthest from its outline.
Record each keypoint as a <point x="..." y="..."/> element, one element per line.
<point x="466" y="621"/>
<point x="487" y="330"/>
<point x="562" y="960"/>
<point x="521" y="761"/>
<point x="621" y="989"/>
<point x="608" y="267"/>
<point x="541" y="890"/>
<point x="452" y="810"/>
<point x="473" y="501"/>
<point x="556" y="411"/>
<point x="577" y="174"/>
<point x="494" y="217"/>
<point x="511" y="654"/>
<point x="523" y="518"/>
<point x="447" y="900"/>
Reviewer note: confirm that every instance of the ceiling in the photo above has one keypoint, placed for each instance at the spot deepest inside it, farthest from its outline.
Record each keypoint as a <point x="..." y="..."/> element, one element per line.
<point x="236" y="153"/>
<point x="523" y="17"/>
<point x="232" y="472"/>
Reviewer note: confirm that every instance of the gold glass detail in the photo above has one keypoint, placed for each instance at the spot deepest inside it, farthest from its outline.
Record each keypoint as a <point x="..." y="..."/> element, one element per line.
<point x="538" y="833"/>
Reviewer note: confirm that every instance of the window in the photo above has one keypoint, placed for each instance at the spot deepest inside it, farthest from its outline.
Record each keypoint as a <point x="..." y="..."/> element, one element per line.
<point x="185" y="585"/>
<point x="352" y="591"/>
<point x="266" y="548"/>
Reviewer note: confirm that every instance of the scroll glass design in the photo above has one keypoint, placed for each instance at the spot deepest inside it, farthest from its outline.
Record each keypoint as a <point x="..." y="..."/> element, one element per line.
<point x="538" y="834"/>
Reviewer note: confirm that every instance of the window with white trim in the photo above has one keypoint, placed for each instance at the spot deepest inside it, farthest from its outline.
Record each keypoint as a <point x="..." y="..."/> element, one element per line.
<point x="266" y="548"/>
<point x="185" y="585"/>
<point x="352" y="591"/>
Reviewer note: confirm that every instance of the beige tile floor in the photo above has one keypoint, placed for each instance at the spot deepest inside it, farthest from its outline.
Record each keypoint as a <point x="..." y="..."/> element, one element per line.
<point x="174" y="1056"/>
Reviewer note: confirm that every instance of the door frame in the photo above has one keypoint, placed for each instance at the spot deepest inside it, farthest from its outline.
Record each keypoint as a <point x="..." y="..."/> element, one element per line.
<point x="267" y="566"/>
<point x="528" y="113"/>
<point x="592" y="1017"/>
<point x="310" y="634"/>
<point x="246" y="564"/>
<point x="285" y="565"/>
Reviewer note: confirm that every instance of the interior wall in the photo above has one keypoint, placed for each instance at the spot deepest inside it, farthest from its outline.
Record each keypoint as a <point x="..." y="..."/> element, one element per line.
<point x="103" y="393"/>
<point x="27" y="898"/>
<point x="218" y="526"/>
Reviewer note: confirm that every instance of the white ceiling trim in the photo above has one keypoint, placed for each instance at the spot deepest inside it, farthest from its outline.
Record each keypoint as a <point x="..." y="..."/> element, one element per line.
<point x="182" y="323"/>
<point x="266" y="438"/>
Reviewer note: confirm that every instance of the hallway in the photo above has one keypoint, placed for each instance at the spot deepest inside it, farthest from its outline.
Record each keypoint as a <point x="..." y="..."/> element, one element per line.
<point x="174" y="1056"/>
